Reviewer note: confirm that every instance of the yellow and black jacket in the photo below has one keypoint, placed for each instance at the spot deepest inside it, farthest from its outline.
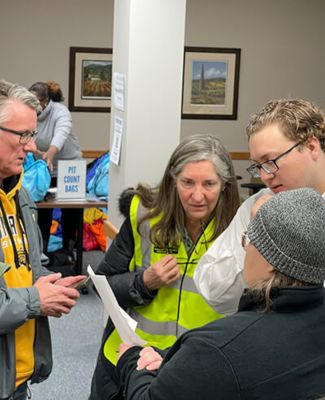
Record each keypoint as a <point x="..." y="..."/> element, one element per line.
<point x="21" y="324"/>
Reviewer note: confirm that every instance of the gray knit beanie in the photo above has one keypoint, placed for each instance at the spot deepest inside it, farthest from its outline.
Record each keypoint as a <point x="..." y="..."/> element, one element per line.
<point x="289" y="232"/>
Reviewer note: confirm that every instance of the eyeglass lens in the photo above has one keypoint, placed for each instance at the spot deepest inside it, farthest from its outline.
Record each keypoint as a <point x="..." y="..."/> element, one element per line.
<point x="25" y="137"/>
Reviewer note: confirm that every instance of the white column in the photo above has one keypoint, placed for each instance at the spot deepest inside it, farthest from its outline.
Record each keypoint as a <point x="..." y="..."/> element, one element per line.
<point x="148" y="48"/>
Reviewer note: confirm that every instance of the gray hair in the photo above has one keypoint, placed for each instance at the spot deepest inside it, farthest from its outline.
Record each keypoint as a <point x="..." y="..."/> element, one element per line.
<point x="202" y="148"/>
<point x="164" y="199"/>
<point x="10" y="92"/>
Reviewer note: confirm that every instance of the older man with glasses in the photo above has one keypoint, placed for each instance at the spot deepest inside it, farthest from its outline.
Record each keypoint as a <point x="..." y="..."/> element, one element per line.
<point x="287" y="147"/>
<point x="28" y="292"/>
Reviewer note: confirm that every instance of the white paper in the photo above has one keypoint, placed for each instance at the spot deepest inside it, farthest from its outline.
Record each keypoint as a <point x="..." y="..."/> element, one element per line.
<point x="118" y="94"/>
<point x="117" y="140"/>
<point x="123" y="323"/>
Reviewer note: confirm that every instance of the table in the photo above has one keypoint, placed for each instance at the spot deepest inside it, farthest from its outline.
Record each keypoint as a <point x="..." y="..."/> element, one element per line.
<point x="80" y="205"/>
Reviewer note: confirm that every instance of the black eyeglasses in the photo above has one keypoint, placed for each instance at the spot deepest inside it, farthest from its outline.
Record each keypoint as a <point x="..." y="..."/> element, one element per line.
<point x="25" y="137"/>
<point x="269" y="166"/>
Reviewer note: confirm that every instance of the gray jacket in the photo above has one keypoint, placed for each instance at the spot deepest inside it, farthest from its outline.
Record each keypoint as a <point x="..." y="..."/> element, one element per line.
<point x="54" y="127"/>
<point x="18" y="305"/>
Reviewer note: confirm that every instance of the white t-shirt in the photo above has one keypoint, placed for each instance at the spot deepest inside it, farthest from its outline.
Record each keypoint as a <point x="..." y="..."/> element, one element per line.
<point x="218" y="275"/>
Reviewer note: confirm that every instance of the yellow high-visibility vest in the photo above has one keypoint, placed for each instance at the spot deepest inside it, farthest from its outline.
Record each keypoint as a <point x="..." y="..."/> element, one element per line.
<point x="177" y="307"/>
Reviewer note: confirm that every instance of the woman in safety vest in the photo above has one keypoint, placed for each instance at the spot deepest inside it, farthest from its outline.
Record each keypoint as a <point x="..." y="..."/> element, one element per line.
<point x="151" y="263"/>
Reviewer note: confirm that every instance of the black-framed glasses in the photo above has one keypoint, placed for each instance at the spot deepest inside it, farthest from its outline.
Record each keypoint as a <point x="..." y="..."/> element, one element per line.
<point x="25" y="136"/>
<point x="269" y="166"/>
<point x="244" y="239"/>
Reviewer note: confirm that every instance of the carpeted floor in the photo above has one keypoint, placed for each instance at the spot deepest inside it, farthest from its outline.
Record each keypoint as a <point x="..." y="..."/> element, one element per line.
<point x="75" y="339"/>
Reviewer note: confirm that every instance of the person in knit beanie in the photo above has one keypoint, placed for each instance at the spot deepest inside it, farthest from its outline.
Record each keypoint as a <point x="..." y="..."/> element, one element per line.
<point x="273" y="347"/>
<point x="288" y="240"/>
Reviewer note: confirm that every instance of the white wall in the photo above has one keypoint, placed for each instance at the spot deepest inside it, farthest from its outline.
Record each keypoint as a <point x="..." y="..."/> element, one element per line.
<point x="281" y="42"/>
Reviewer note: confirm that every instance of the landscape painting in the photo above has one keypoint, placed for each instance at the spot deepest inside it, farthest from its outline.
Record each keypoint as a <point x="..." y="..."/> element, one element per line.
<point x="96" y="79"/>
<point x="210" y="83"/>
<point x="90" y="79"/>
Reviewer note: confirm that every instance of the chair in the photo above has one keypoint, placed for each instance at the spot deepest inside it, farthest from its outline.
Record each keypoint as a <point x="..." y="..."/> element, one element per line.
<point x="254" y="186"/>
<point x="110" y="229"/>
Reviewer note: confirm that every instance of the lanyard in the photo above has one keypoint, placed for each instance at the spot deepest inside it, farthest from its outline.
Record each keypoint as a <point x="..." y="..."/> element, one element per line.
<point x="23" y="257"/>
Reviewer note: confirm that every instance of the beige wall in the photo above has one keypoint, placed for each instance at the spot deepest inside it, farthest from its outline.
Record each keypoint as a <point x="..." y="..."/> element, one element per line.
<point x="281" y="42"/>
<point x="35" y="39"/>
<point x="282" y="55"/>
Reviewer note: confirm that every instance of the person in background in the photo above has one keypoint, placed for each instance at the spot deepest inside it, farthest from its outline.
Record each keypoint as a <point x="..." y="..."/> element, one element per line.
<point x="151" y="262"/>
<point x="28" y="292"/>
<point x="287" y="146"/>
<point x="273" y="347"/>
<point x="55" y="141"/>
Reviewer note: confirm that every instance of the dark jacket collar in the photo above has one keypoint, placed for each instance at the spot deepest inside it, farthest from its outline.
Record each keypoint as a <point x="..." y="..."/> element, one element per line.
<point x="287" y="299"/>
<point x="10" y="182"/>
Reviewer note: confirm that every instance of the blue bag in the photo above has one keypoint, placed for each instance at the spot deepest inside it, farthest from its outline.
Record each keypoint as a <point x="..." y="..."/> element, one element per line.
<point x="37" y="178"/>
<point x="92" y="167"/>
<point x="98" y="185"/>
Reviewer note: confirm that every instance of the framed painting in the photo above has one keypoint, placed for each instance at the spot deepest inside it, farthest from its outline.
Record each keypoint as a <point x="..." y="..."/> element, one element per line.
<point x="210" y="83"/>
<point x="90" y="79"/>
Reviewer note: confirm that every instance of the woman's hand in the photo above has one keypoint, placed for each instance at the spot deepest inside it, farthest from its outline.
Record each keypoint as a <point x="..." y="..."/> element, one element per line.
<point x="49" y="155"/>
<point x="149" y="359"/>
<point x="122" y="349"/>
<point x="163" y="272"/>
<point x="48" y="159"/>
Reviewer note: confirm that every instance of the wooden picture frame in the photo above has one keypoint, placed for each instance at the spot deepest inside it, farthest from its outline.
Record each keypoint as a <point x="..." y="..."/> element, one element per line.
<point x="210" y="83"/>
<point x="90" y="79"/>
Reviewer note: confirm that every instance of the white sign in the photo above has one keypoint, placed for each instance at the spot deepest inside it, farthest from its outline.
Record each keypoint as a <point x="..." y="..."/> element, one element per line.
<point x="117" y="140"/>
<point x="71" y="180"/>
<point x="118" y="94"/>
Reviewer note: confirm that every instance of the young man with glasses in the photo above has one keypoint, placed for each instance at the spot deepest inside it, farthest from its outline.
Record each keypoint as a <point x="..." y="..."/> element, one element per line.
<point x="287" y="147"/>
<point x="28" y="292"/>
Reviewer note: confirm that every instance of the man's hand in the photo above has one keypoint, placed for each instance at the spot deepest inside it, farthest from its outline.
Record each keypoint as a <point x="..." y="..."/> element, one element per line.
<point x="70" y="281"/>
<point x="163" y="272"/>
<point x="149" y="359"/>
<point x="55" y="299"/>
<point x="259" y="202"/>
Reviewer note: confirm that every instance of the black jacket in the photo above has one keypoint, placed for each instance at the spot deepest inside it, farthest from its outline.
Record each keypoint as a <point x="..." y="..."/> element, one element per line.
<point x="250" y="355"/>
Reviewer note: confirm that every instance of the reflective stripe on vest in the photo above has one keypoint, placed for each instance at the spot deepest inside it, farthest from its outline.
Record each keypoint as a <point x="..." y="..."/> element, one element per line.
<point x="177" y="307"/>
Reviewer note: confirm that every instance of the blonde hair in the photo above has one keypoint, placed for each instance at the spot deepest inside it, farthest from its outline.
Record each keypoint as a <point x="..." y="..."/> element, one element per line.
<point x="299" y="120"/>
<point x="261" y="291"/>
